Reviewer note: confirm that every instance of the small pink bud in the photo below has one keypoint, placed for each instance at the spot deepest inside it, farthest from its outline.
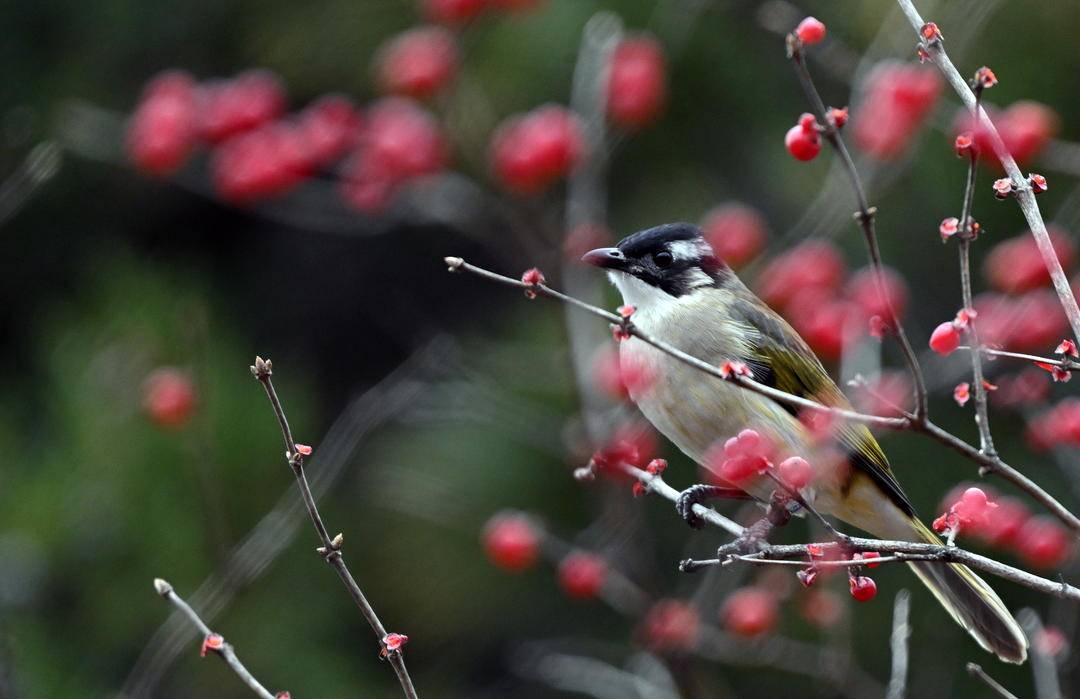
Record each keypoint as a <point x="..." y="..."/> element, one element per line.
<point x="626" y="311"/>
<point x="1038" y="183"/>
<point x="213" y="642"/>
<point x="838" y="117"/>
<point x="1003" y="188"/>
<point x="984" y="77"/>
<point x="638" y="489"/>
<point x="302" y="449"/>
<point x="930" y="32"/>
<point x="730" y="369"/>
<point x="392" y="643"/>
<point x="962" y="393"/>
<point x="948" y="228"/>
<point x="807" y="576"/>
<point x="656" y="466"/>
<point x="815" y="550"/>
<point x="1067" y="347"/>
<point x="965" y="145"/>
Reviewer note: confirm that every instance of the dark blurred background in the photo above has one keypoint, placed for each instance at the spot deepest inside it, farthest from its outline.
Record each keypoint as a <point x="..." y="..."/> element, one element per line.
<point x="434" y="401"/>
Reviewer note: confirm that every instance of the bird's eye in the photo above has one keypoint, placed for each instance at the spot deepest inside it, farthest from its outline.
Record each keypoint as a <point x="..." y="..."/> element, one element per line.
<point x="663" y="259"/>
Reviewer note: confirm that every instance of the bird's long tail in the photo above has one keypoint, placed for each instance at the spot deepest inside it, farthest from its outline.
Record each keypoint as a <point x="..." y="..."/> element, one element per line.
<point x="972" y="603"/>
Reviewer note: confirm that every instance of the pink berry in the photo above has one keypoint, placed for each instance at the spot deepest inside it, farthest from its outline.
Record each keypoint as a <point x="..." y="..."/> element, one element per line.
<point x="511" y="541"/>
<point x="530" y="152"/>
<point x="736" y="233"/>
<point x="945" y="338"/>
<point x="418" y="63"/>
<point x="862" y="288"/>
<point x="812" y="265"/>
<point x="169" y="397"/>
<point x="1015" y="264"/>
<point x="1044" y="543"/>
<point x="810" y="31"/>
<point x="162" y="132"/>
<point x="671" y="626"/>
<point x="581" y="575"/>
<point x="230" y="107"/>
<point x="749" y="611"/>
<point x="863" y="589"/>
<point x="802" y="145"/>
<point x="795" y="472"/>
<point x="330" y="126"/>
<point x="637" y="82"/>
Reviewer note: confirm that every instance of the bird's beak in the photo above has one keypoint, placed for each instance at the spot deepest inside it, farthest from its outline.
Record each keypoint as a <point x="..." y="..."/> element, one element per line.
<point x="605" y="258"/>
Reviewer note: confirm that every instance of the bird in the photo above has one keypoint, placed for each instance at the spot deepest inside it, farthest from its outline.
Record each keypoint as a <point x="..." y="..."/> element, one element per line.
<point x="683" y="293"/>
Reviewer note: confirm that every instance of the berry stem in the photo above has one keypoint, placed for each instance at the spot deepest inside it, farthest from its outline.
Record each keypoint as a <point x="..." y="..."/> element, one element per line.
<point x="864" y="216"/>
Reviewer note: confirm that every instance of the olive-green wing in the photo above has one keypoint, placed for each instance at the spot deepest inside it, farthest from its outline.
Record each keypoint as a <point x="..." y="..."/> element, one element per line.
<point x="780" y="358"/>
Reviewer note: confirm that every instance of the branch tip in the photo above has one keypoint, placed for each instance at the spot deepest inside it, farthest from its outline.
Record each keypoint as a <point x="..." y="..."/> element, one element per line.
<point x="162" y="587"/>
<point x="453" y="264"/>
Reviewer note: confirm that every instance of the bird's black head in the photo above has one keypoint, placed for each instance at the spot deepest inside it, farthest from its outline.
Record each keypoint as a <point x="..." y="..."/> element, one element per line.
<point x="674" y="258"/>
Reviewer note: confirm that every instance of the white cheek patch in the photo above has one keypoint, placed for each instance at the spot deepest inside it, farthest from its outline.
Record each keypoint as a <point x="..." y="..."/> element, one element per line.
<point x="635" y="292"/>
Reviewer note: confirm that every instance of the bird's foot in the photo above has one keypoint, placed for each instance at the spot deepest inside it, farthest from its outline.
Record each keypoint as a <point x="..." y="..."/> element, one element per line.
<point x="698" y="494"/>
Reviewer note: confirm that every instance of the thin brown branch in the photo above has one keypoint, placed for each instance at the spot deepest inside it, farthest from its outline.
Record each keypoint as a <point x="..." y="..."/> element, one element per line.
<point x="220" y="647"/>
<point x="1063" y="362"/>
<point x="977" y="672"/>
<point x="864" y="216"/>
<point x="330" y="549"/>
<point x="1025" y="196"/>
<point x="987" y="463"/>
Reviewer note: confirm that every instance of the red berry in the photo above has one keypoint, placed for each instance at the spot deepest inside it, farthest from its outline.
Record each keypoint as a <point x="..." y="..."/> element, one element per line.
<point x="169" y="397"/>
<point x="1015" y="265"/>
<point x="1043" y="542"/>
<point x="862" y="288"/>
<point x="739" y="458"/>
<point x="796" y="472"/>
<point x="671" y="626"/>
<point x="511" y="541"/>
<point x="821" y="608"/>
<point x="330" y="126"/>
<point x="1026" y="128"/>
<point x="813" y="265"/>
<point x="162" y="131"/>
<point x="869" y="557"/>
<point x="898" y="98"/>
<point x="801" y="143"/>
<point x="581" y="575"/>
<point x="530" y="152"/>
<point x="266" y="162"/>
<point x="418" y="63"/>
<point x="229" y="107"/>
<point x="736" y="233"/>
<point x="749" y="611"/>
<point x="810" y="31"/>
<point x="637" y="82"/>
<point x="452" y="11"/>
<point x="945" y="338"/>
<point x="825" y="322"/>
<point x="863" y="589"/>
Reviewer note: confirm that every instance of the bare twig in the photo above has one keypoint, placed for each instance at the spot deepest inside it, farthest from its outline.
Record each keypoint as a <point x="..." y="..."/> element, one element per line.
<point x="1063" y="362"/>
<point x="898" y="642"/>
<point x="987" y="463"/>
<point x="976" y="671"/>
<point x="864" y="216"/>
<point x="892" y="552"/>
<point x="218" y="646"/>
<point x="330" y="550"/>
<point x="1025" y="196"/>
<point x="968" y="233"/>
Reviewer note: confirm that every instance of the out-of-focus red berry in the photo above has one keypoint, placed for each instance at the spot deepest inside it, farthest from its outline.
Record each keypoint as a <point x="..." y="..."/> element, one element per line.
<point x="1026" y="127"/>
<point x="735" y="231"/>
<point x="621" y="375"/>
<point x="802" y="141"/>
<point x="169" y="397"/>
<point x="266" y="162"/>
<point x="582" y="575"/>
<point x="796" y="472"/>
<point x="330" y="126"/>
<point x="1058" y="426"/>
<point x="810" y="30"/>
<point x="1015" y="265"/>
<point x="826" y="322"/>
<point x="1044" y="543"/>
<point x="862" y="588"/>
<point x="419" y="62"/>
<point x="812" y="265"/>
<point x="1026" y="323"/>
<point x="1004" y="526"/>
<point x="531" y="151"/>
<point x="1028" y="387"/>
<point x="452" y="11"/>
<point x="671" y="626"/>
<point x="862" y="289"/>
<point x="945" y="338"/>
<point x="749" y="611"/>
<point x="637" y="82"/>
<point x="739" y="458"/>
<point x="230" y="107"/>
<point x="820" y="607"/>
<point x="162" y="131"/>
<point x="401" y="142"/>
<point x="891" y="388"/>
<point x="898" y="98"/>
<point x="511" y="541"/>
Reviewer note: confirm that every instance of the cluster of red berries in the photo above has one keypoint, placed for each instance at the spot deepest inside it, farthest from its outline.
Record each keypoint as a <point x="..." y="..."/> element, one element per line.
<point x="736" y="232"/>
<point x="899" y="96"/>
<point x="1056" y="426"/>
<point x="747" y="454"/>
<point x="1006" y="523"/>
<point x="810" y="286"/>
<point x="169" y="397"/>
